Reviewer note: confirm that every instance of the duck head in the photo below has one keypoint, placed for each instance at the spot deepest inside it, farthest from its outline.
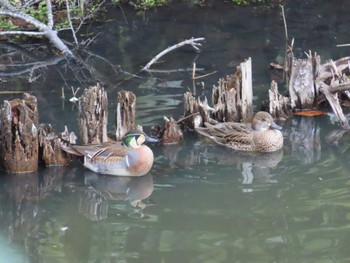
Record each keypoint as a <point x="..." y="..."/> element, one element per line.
<point x="263" y="121"/>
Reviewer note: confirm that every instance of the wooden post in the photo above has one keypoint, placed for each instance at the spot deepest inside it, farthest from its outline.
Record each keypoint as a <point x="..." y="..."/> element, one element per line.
<point x="19" y="135"/>
<point x="125" y="113"/>
<point x="93" y="116"/>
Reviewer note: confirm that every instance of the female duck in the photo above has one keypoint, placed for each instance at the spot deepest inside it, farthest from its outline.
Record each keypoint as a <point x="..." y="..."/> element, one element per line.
<point x="262" y="136"/>
<point x="129" y="158"/>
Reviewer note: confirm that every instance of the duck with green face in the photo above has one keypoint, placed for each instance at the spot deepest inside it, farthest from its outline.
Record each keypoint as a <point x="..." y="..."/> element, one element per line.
<point x="262" y="135"/>
<point x="129" y="158"/>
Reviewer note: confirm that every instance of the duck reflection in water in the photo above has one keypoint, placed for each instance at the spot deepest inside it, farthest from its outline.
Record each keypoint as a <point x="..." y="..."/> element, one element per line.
<point x="102" y="189"/>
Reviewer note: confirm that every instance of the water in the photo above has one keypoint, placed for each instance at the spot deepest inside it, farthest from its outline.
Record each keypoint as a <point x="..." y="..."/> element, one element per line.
<point x="200" y="202"/>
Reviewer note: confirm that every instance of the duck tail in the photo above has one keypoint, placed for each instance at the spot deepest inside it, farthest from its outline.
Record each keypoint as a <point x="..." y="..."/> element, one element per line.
<point x="69" y="149"/>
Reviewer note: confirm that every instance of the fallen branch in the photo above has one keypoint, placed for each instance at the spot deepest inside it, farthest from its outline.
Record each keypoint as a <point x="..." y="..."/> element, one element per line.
<point x="193" y="42"/>
<point x="334" y="102"/>
<point x="46" y="30"/>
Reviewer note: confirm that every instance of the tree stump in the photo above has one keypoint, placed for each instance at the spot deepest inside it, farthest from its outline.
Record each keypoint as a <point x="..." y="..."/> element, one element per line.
<point x="93" y="116"/>
<point x="19" y="135"/>
<point x="279" y="106"/>
<point x="232" y="100"/>
<point x="125" y="113"/>
<point x="172" y="133"/>
<point x="302" y="88"/>
<point x="50" y="147"/>
<point x="233" y="97"/>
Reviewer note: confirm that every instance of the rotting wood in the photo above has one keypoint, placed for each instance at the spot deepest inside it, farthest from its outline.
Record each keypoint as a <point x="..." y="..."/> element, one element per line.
<point x="51" y="153"/>
<point x="302" y="89"/>
<point x="232" y="100"/>
<point x="172" y="133"/>
<point x="93" y="115"/>
<point x="125" y="113"/>
<point x="279" y="106"/>
<point x="19" y="135"/>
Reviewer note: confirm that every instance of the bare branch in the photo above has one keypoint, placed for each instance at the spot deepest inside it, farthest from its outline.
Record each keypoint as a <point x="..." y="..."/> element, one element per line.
<point x="49" y="14"/>
<point x="45" y="30"/>
<point x="27" y="33"/>
<point x="70" y="23"/>
<point x="192" y="42"/>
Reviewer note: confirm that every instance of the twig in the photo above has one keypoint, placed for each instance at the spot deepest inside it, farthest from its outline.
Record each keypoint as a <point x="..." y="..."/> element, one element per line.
<point x="343" y="45"/>
<point x="205" y="75"/>
<point x="70" y="23"/>
<point x="284" y="23"/>
<point x="188" y="116"/>
<point x="192" y="42"/>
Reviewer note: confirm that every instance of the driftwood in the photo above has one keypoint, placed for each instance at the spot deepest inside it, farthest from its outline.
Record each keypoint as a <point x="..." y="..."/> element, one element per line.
<point x="232" y="100"/>
<point x="19" y="135"/>
<point x="93" y="116"/>
<point x="50" y="147"/>
<point x="125" y="113"/>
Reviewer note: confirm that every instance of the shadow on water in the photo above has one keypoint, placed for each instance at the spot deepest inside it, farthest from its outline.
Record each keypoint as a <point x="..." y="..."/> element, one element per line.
<point x="201" y="202"/>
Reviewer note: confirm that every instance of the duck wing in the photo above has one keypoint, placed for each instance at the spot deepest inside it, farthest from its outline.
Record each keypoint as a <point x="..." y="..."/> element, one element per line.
<point x="110" y="153"/>
<point x="113" y="152"/>
<point x="228" y="133"/>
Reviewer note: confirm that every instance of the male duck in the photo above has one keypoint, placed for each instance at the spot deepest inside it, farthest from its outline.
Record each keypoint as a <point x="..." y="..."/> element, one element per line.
<point x="262" y="136"/>
<point x="129" y="158"/>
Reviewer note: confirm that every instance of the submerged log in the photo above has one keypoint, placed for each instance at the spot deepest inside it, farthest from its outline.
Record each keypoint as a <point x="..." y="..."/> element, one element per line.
<point x="93" y="116"/>
<point x="50" y="147"/>
<point x="19" y="135"/>
<point x="125" y="113"/>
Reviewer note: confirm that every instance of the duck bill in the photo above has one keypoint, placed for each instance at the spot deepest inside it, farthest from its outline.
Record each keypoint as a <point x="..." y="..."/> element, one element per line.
<point x="149" y="139"/>
<point x="275" y="126"/>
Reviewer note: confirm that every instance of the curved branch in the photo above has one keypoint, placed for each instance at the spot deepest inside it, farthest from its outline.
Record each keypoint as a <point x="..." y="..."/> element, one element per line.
<point x="192" y="42"/>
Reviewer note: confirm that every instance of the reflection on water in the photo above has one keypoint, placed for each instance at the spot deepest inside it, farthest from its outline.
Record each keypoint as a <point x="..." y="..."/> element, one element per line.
<point x="201" y="202"/>
<point x="101" y="189"/>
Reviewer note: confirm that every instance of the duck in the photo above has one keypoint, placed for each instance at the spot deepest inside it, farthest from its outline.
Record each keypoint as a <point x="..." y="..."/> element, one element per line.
<point x="262" y="135"/>
<point x="131" y="157"/>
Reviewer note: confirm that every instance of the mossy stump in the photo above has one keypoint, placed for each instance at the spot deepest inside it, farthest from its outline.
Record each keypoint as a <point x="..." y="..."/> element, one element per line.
<point x="19" y="135"/>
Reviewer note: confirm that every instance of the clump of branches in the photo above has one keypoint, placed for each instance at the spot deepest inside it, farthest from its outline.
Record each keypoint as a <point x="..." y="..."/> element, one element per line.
<point x="45" y="18"/>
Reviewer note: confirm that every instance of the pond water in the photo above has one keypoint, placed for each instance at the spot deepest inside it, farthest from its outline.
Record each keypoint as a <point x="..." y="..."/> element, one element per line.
<point x="201" y="202"/>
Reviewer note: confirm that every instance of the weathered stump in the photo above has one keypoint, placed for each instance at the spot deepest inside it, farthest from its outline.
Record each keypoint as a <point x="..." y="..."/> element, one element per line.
<point x="172" y="133"/>
<point x="125" y="113"/>
<point x="232" y="100"/>
<point x="19" y="135"/>
<point x="50" y="147"/>
<point x="279" y="106"/>
<point x="233" y="97"/>
<point x="302" y="89"/>
<point x="93" y="116"/>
